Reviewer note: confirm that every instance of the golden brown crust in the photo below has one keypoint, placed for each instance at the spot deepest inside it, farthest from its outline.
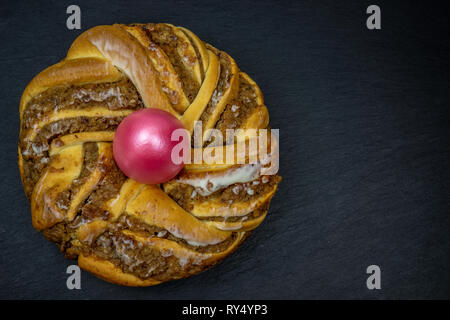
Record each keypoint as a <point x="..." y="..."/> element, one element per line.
<point x="123" y="51"/>
<point x="195" y="110"/>
<point x="201" y="48"/>
<point x="232" y="79"/>
<point x="107" y="271"/>
<point x="77" y="71"/>
<point x="123" y="231"/>
<point x="166" y="73"/>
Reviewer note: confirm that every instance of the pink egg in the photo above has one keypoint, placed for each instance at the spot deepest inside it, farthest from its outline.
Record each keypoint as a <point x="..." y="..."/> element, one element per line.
<point x="142" y="146"/>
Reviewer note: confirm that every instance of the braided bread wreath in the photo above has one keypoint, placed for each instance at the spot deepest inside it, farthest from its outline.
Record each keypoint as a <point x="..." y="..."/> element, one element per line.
<point x="120" y="230"/>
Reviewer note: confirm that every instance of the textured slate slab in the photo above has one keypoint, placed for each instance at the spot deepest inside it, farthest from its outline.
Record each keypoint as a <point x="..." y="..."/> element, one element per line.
<point x="364" y="127"/>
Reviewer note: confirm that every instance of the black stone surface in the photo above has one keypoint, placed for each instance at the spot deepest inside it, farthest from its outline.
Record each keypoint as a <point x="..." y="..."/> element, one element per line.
<point x="364" y="127"/>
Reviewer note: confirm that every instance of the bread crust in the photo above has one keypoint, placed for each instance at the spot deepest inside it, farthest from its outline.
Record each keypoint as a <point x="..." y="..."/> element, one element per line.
<point x="124" y="52"/>
<point x="107" y="271"/>
<point x="77" y="71"/>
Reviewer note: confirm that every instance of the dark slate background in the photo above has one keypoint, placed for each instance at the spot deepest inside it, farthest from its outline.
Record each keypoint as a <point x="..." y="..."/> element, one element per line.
<point x="364" y="128"/>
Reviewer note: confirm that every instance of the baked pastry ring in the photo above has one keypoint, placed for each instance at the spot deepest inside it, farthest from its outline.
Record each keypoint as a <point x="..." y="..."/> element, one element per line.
<point x="121" y="230"/>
